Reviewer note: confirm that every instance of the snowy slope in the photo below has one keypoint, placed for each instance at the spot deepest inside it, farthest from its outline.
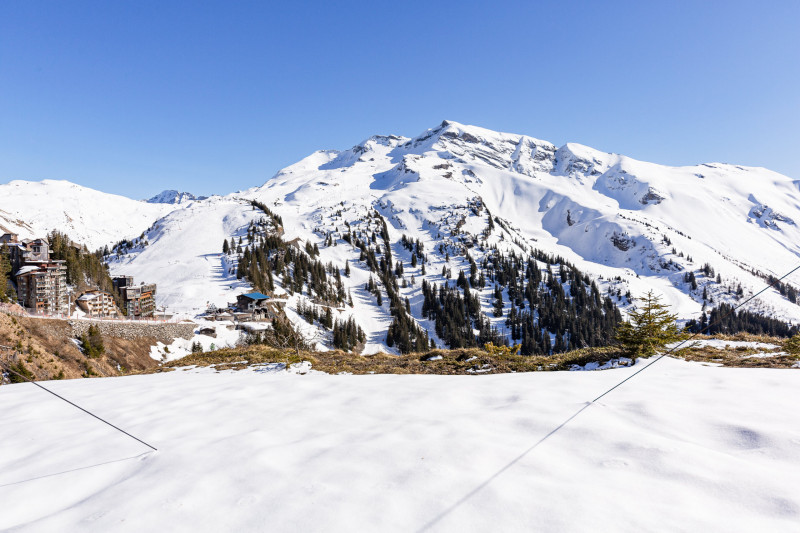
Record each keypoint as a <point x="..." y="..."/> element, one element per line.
<point x="683" y="447"/>
<point x="90" y="217"/>
<point x="183" y="255"/>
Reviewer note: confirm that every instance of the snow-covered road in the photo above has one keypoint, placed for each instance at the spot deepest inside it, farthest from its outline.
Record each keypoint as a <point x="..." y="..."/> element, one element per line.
<point x="683" y="447"/>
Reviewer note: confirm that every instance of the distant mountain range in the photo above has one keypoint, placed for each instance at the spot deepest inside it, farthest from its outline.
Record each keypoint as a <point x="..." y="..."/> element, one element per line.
<point x="174" y="197"/>
<point x="697" y="235"/>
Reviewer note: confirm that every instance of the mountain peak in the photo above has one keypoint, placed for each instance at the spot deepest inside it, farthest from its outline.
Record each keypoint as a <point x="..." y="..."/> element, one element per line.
<point x="388" y="141"/>
<point x="172" y="196"/>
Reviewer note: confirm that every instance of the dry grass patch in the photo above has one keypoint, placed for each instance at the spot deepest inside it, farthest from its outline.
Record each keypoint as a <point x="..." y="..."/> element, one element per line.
<point x="448" y="362"/>
<point x="741" y="356"/>
<point x="47" y="349"/>
<point x="477" y="361"/>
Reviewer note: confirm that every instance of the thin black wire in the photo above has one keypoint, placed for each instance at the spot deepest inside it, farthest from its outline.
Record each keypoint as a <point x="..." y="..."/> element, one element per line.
<point x="9" y="369"/>
<point x="428" y="525"/>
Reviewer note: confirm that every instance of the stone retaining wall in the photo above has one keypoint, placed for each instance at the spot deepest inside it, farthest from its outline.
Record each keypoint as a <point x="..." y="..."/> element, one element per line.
<point x="164" y="332"/>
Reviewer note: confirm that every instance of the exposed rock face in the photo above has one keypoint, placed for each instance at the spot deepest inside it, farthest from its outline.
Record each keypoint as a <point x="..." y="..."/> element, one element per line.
<point x="46" y="347"/>
<point x="651" y="197"/>
<point x="623" y="242"/>
<point x="174" y="197"/>
<point x="766" y="217"/>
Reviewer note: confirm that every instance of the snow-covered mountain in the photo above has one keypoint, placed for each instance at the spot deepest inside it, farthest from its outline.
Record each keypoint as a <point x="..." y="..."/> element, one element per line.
<point x="90" y="217"/>
<point x="698" y="235"/>
<point x="174" y="197"/>
<point x="632" y="225"/>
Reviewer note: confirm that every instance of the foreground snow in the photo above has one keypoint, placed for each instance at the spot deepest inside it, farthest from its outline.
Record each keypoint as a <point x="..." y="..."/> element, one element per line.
<point x="681" y="447"/>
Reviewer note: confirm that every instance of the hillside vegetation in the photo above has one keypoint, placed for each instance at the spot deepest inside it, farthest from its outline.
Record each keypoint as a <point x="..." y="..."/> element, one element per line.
<point x="739" y="352"/>
<point x="44" y="349"/>
<point x="85" y="269"/>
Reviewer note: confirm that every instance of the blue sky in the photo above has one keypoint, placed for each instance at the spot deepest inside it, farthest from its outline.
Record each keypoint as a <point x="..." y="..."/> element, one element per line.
<point x="211" y="97"/>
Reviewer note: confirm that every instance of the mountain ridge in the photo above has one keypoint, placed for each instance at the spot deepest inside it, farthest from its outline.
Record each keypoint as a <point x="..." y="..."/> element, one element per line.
<point x="172" y="196"/>
<point x="466" y="191"/>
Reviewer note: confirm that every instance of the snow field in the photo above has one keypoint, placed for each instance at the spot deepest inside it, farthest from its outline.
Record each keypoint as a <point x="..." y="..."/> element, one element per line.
<point x="681" y="447"/>
<point x="184" y="257"/>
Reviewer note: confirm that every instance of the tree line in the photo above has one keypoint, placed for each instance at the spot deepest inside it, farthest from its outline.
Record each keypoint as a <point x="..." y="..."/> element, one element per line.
<point x="550" y="310"/>
<point x="724" y="319"/>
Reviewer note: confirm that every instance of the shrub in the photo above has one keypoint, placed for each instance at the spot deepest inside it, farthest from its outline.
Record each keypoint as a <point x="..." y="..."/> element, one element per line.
<point x="792" y="345"/>
<point x="92" y="343"/>
<point x="19" y="373"/>
<point x="501" y="351"/>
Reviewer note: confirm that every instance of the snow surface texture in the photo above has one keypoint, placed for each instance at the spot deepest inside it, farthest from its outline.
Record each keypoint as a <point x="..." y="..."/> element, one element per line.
<point x="682" y="447"/>
<point x="631" y="225"/>
<point x="722" y="344"/>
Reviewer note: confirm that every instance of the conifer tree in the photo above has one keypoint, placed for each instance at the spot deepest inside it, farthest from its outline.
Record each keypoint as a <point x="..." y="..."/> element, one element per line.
<point x="650" y="328"/>
<point x="5" y="272"/>
<point x="92" y="343"/>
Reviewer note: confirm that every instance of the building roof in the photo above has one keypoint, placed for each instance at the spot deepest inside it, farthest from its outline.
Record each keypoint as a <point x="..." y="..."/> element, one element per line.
<point x="91" y="295"/>
<point x="256" y="296"/>
<point x="88" y="296"/>
<point x="27" y="270"/>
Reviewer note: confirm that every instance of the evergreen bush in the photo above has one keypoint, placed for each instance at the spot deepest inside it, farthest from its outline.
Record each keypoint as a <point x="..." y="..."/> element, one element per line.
<point x="650" y="328"/>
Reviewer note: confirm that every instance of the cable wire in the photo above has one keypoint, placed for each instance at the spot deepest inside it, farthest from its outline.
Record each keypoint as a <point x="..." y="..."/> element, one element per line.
<point x="9" y="369"/>
<point x="431" y="523"/>
<point x="720" y="319"/>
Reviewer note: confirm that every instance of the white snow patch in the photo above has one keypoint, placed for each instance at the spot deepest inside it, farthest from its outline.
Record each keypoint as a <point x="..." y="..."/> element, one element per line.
<point x="226" y="337"/>
<point x="723" y="344"/>
<point x="613" y="363"/>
